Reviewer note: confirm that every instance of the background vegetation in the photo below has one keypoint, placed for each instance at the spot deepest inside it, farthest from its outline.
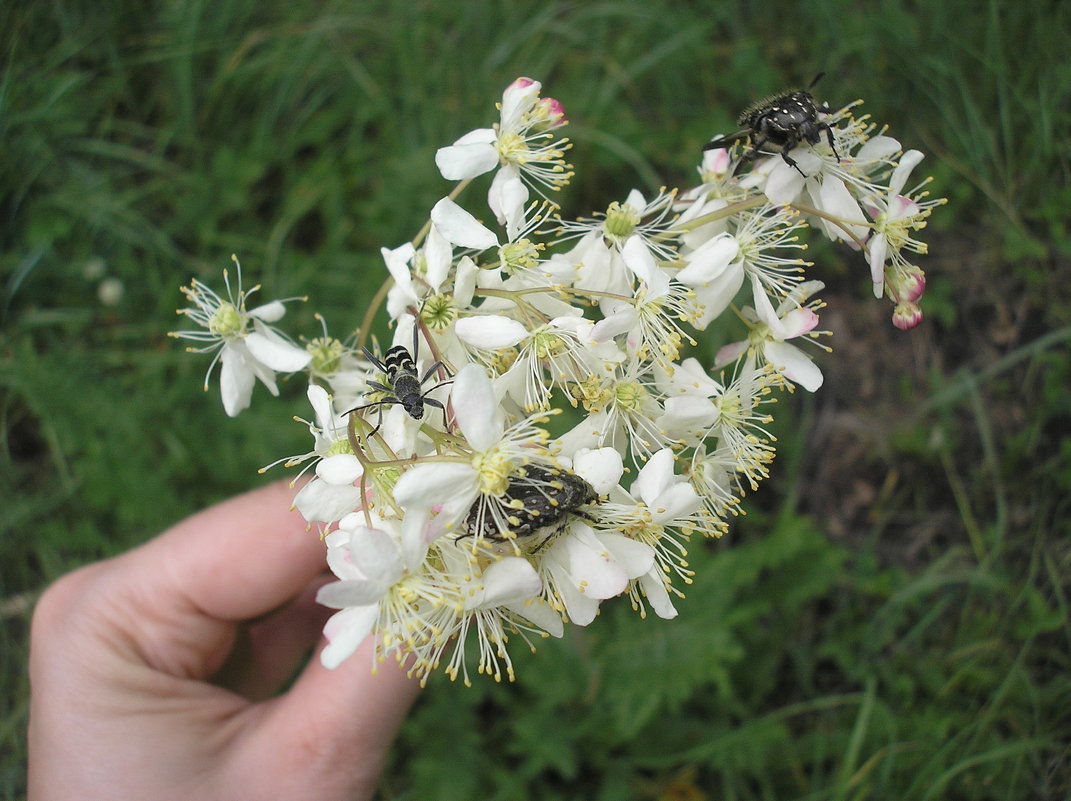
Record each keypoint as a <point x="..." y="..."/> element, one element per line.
<point x="890" y="620"/>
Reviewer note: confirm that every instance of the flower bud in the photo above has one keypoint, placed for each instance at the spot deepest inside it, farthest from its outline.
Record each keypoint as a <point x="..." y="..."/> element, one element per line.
<point x="906" y="316"/>
<point x="550" y="113"/>
<point x="905" y="282"/>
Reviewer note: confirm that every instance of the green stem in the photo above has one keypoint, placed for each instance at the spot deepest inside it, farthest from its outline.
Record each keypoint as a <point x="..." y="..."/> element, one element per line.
<point x="837" y="221"/>
<point x="733" y="208"/>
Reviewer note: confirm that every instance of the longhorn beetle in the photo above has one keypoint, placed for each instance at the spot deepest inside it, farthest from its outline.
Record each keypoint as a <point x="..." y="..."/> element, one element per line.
<point x="405" y="386"/>
<point x="783" y="121"/>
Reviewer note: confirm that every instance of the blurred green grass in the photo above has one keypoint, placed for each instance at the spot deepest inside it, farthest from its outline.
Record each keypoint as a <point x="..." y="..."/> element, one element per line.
<point x="890" y="620"/>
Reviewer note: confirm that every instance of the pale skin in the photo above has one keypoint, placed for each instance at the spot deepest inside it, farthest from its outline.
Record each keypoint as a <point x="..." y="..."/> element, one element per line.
<point x="154" y="675"/>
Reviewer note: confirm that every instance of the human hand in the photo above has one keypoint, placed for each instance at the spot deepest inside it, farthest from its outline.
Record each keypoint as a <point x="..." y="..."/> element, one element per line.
<point x="128" y="657"/>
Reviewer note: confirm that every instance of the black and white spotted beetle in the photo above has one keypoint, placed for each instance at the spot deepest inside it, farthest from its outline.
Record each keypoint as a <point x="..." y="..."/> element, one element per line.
<point x="536" y="507"/>
<point x="783" y="121"/>
<point x="406" y="388"/>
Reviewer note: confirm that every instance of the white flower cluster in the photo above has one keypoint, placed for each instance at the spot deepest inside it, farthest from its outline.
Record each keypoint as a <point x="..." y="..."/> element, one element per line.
<point x="536" y="441"/>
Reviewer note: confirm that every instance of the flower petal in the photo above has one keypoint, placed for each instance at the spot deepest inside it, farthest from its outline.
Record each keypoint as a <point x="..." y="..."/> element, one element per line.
<point x="375" y="554"/>
<point x="654" y="477"/>
<point x="507" y="198"/>
<point x="340" y="469"/>
<point x="730" y="353"/>
<point x="877" y="147"/>
<point x="465" y="282"/>
<point x="794" y="364"/>
<point x="275" y="351"/>
<point x="471" y="155"/>
<point x="592" y="566"/>
<point x="344" y="594"/>
<point x="431" y="484"/>
<point x="397" y="261"/>
<point x="476" y="408"/>
<point x="269" y="312"/>
<point x="236" y="380"/>
<point x="539" y="613"/>
<point x="709" y="260"/>
<point x="346" y="630"/>
<point x="908" y="162"/>
<point x="678" y="501"/>
<point x="460" y="227"/>
<point x="634" y="558"/>
<point x="620" y="320"/>
<point x="639" y="259"/>
<point x="518" y="98"/>
<point x="836" y="200"/>
<point x="437" y="256"/>
<point x="321" y="405"/>
<point x="601" y="468"/>
<point x="719" y="293"/>
<point x="321" y="502"/>
<point x="509" y="580"/>
<point x="798" y="322"/>
<point x="784" y="183"/>
<point x="655" y="589"/>
<point x="490" y="331"/>
<point x="688" y="414"/>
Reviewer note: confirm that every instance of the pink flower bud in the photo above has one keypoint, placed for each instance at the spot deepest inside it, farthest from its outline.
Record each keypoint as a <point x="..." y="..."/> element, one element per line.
<point x="520" y="83"/>
<point x="914" y="285"/>
<point x="716" y="161"/>
<point x="553" y="112"/>
<point x="906" y="282"/>
<point x="906" y="316"/>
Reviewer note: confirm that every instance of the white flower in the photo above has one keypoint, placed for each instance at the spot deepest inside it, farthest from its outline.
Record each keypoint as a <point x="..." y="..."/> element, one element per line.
<point x="471" y="520"/>
<point x="622" y="243"/>
<point x="332" y="493"/>
<point x="648" y="318"/>
<point x="555" y="354"/>
<point x="584" y="567"/>
<point x="770" y="332"/>
<point x="246" y="346"/>
<point x="659" y="502"/>
<point x="521" y="145"/>
<point x="843" y="219"/>
<point x="623" y="408"/>
<point x="895" y="216"/>
<point x="739" y="426"/>
<point x="501" y="599"/>
<point x="382" y="586"/>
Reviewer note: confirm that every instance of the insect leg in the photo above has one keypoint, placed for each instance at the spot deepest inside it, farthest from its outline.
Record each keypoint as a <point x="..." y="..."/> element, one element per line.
<point x="792" y="162"/>
<point x="429" y="371"/>
<point x="374" y="360"/>
<point x="380" y="387"/>
<point x="380" y="404"/>
<point x="829" y="136"/>
<point x="437" y="404"/>
<point x="379" y="418"/>
<point x="725" y="141"/>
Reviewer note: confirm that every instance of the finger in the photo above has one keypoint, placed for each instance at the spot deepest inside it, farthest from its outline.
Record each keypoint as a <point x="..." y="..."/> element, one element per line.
<point x="238" y="559"/>
<point x="268" y="652"/>
<point x="350" y="712"/>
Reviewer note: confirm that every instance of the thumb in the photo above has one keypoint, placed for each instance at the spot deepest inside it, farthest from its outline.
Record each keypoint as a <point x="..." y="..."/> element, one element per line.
<point x="348" y="716"/>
